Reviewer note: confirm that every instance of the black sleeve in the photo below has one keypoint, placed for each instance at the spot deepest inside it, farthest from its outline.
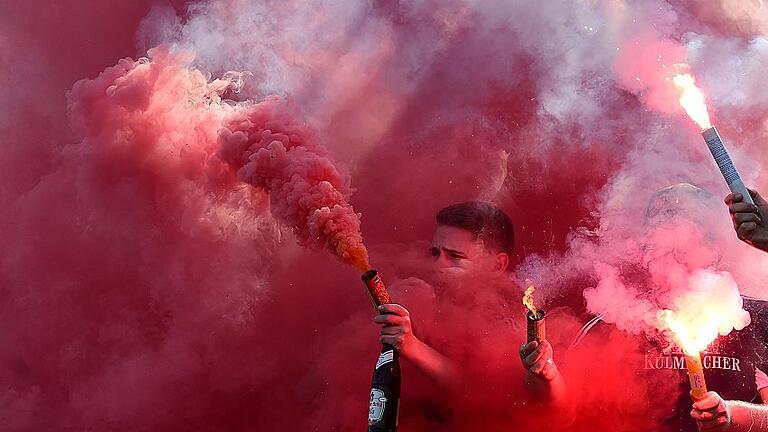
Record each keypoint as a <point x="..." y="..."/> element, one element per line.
<point x="758" y="331"/>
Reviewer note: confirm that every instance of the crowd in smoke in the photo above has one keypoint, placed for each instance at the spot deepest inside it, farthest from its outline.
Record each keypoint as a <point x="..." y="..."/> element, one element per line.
<point x="145" y="285"/>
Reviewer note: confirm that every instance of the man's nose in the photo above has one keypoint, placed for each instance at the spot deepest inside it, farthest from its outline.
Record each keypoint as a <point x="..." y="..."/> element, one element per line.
<point x="442" y="261"/>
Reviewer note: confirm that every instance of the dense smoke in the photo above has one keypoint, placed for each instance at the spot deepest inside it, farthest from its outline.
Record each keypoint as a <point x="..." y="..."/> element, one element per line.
<point x="144" y="285"/>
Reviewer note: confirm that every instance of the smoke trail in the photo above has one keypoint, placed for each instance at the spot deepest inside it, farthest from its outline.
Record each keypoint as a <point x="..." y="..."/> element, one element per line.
<point x="306" y="190"/>
<point x="170" y="295"/>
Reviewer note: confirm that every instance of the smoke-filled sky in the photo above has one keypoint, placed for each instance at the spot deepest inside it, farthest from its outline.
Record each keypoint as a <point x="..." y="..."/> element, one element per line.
<point x="144" y="287"/>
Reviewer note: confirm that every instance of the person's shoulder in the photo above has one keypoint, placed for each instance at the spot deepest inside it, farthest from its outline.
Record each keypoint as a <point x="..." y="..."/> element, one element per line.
<point x="757" y="308"/>
<point x="754" y="304"/>
<point x="755" y="334"/>
<point x="758" y="312"/>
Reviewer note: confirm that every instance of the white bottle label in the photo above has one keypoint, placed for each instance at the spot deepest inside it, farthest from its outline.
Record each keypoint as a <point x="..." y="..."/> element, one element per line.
<point x="385" y="358"/>
<point x="376" y="408"/>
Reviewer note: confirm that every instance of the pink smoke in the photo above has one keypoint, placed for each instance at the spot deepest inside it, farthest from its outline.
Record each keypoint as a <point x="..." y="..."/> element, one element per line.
<point x="145" y="286"/>
<point x="273" y="153"/>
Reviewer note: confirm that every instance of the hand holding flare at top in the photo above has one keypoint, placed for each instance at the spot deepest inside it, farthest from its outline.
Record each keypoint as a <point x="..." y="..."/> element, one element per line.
<point x="749" y="220"/>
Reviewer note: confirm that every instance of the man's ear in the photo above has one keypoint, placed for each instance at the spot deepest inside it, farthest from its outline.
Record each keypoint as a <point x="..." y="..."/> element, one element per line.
<point x="501" y="262"/>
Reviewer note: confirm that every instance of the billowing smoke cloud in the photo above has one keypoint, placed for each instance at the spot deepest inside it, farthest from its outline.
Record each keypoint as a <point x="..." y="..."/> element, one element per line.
<point x="306" y="190"/>
<point x="711" y="306"/>
<point x="145" y="286"/>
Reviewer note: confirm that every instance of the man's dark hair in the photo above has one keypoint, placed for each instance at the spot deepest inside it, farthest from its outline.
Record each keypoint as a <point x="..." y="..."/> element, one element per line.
<point x="487" y="222"/>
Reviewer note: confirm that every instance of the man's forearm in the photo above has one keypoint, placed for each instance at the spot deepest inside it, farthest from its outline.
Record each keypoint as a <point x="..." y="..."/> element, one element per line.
<point x="435" y="365"/>
<point x="553" y="395"/>
<point x="747" y="417"/>
<point x="554" y="391"/>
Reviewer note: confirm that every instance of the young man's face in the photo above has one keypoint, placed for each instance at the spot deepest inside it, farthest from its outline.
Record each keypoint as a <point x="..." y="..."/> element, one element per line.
<point x="457" y="251"/>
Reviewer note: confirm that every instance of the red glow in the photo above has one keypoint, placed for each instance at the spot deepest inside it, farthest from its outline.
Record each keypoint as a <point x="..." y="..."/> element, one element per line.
<point x="153" y="274"/>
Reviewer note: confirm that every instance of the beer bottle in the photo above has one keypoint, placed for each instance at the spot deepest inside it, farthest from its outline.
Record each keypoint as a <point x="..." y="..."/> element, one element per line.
<point x="385" y="392"/>
<point x="385" y="388"/>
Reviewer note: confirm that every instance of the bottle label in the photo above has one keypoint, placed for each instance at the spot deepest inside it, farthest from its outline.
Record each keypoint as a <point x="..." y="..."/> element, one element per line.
<point x="376" y="408"/>
<point x="385" y="358"/>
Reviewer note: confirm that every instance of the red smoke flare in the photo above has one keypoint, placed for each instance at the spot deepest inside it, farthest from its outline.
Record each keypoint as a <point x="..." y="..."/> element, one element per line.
<point x="145" y="287"/>
<point x="273" y="152"/>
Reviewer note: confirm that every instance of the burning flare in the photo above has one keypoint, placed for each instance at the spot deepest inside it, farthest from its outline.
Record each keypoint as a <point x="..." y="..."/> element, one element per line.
<point x="528" y="299"/>
<point x="536" y="327"/>
<point x="692" y="99"/>
<point x="712" y="306"/>
<point x="692" y="340"/>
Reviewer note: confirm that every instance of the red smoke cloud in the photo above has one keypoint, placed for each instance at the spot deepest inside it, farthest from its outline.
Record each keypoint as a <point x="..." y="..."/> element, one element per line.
<point x="307" y="192"/>
<point x="145" y="286"/>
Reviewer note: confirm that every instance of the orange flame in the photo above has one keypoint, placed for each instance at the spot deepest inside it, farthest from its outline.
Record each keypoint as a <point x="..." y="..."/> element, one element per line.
<point x="692" y="100"/>
<point x="528" y="299"/>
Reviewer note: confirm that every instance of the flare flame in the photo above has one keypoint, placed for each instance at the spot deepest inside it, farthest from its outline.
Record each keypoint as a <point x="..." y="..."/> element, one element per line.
<point x="692" y="99"/>
<point x="692" y="340"/>
<point x="712" y="306"/>
<point x="528" y="299"/>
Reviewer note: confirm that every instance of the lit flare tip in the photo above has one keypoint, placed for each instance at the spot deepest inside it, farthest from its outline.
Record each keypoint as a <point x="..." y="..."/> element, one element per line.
<point x="692" y="99"/>
<point x="528" y="299"/>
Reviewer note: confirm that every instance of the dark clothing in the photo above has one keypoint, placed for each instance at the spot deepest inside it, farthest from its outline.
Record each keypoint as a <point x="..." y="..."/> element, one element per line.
<point x="730" y="364"/>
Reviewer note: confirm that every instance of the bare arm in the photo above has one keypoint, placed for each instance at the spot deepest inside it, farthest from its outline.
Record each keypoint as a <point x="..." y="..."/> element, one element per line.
<point x="396" y="331"/>
<point x="764" y="395"/>
<point x="542" y="377"/>
<point x="761" y="381"/>
<point x="713" y="414"/>
<point x="435" y="365"/>
<point x="747" y="417"/>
